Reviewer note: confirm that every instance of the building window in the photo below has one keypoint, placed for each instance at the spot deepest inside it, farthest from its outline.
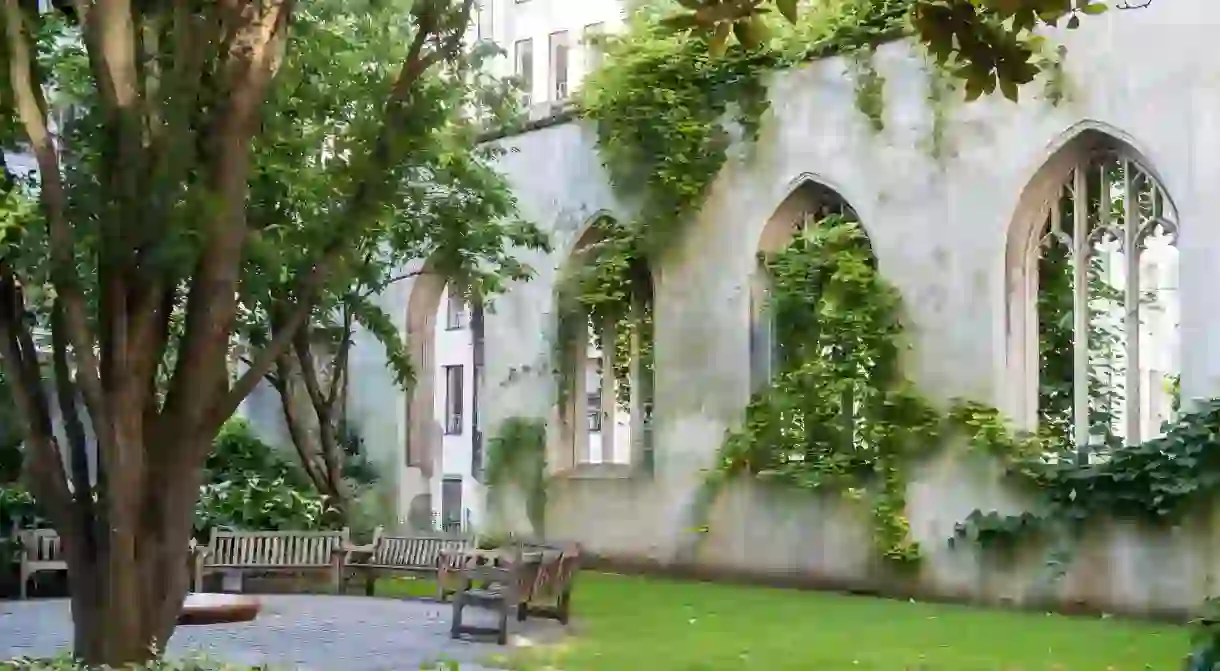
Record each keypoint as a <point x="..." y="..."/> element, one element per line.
<point x="592" y="48"/>
<point x="594" y="410"/>
<point x="483" y="21"/>
<point x="559" y="65"/>
<point x="476" y="442"/>
<point x="524" y="57"/>
<point x="455" y="312"/>
<point x="453" y="400"/>
<point x="1103" y="262"/>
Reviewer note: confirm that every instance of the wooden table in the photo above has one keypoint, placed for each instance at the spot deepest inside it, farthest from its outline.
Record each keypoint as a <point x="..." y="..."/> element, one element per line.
<point x="204" y="608"/>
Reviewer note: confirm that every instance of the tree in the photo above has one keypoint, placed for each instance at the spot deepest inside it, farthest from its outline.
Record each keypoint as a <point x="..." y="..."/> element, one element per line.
<point x="990" y="43"/>
<point x="450" y="206"/>
<point x="136" y="260"/>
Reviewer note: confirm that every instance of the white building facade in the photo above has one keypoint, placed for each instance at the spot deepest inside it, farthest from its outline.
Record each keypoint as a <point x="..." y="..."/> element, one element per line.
<point x="547" y="42"/>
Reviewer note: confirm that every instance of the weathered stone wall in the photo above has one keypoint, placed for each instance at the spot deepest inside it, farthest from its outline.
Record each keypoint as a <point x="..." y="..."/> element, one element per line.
<point x="941" y="231"/>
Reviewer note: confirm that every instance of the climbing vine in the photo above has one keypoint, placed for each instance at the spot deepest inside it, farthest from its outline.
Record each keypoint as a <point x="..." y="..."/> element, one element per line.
<point x="517" y="455"/>
<point x="666" y="112"/>
<point x="869" y="87"/>
<point x="838" y="414"/>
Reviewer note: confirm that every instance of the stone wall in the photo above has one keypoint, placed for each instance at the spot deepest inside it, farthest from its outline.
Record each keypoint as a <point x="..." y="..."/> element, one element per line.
<point x="942" y="230"/>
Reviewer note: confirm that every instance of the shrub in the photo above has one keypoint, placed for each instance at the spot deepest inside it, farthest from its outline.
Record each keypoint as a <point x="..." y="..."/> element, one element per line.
<point x="238" y="451"/>
<point x="250" y="485"/>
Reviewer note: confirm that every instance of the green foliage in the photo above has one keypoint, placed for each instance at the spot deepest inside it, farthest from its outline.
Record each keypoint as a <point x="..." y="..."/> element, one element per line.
<point x="1206" y="638"/>
<point x="666" y="111"/>
<point x="989" y="43"/>
<point x="250" y="485"/>
<point x="1160" y="481"/>
<point x="238" y="450"/>
<point x="838" y="415"/>
<point x="516" y="455"/>
<point x="869" y="88"/>
<point x="446" y="201"/>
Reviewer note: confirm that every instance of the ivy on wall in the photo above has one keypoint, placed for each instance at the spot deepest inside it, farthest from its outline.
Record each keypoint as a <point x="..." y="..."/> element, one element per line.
<point x="839" y="415"/>
<point x="663" y="106"/>
<point x="517" y="455"/>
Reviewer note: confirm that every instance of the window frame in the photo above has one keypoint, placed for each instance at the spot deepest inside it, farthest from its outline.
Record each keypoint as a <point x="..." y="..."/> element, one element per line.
<point x="525" y="75"/>
<point x="455" y="381"/>
<point x="456" y="314"/>
<point x="559" y="42"/>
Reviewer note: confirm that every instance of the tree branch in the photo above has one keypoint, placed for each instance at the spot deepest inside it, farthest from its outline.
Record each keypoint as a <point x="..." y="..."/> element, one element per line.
<point x="20" y="361"/>
<point x="361" y="206"/>
<point x="31" y="109"/>
<point x="338" y="366"/>
<point x="254" y="56"/>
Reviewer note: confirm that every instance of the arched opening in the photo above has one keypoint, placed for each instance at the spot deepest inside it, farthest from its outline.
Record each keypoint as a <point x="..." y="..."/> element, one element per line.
<point x="1094" y="306"/>
<point x="824" y="341"/>
<point x="445" y="438"/>
<point x="606" y="342"/>
<point x="807" y="205"/>
<point x="423" y="435"/>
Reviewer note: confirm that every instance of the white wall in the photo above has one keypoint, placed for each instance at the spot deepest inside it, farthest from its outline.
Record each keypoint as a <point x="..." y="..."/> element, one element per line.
<point x="455" y="347"/>
<point x="514" y="20"/>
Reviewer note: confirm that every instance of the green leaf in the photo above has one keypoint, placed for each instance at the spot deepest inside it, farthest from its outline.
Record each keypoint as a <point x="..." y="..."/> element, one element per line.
<point x="787" y="8"/>
<point x="1009" y="89"/>
<point x="1094" y="8"/>
<point x="719" y="42"/>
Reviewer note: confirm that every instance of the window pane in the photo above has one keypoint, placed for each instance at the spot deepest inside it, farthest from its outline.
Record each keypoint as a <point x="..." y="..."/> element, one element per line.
<point x="453" y="399"/>
<point x="524" y="58"/>
<point x="559" y="65"/>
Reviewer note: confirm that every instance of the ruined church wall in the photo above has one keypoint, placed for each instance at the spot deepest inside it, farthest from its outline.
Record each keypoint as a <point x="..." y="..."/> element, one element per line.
<point x="940" y="230"/>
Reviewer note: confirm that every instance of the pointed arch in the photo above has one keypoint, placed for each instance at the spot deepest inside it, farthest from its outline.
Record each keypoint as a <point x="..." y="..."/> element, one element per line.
<point x="606" y="404"/>
<point x="1091" y="285"/>
<point x="807" y="202"/>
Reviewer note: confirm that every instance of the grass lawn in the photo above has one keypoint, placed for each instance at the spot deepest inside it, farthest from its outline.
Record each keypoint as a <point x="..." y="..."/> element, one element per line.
<point x="645" y="624"/>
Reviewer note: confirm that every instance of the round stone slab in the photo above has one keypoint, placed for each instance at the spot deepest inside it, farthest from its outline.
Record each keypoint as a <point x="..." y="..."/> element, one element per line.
<point x="201" y="608"/>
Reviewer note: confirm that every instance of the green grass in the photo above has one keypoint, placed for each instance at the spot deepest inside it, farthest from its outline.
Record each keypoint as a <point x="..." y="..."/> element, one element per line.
<point x="642" y="624"/>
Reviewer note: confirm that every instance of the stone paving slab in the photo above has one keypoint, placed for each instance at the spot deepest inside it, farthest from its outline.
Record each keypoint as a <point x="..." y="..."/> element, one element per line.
<point x="306" y="632"/>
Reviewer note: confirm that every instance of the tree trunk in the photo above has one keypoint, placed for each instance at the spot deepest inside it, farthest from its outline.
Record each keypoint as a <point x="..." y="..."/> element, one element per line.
<point x="313" y="433"/>
<point x="125" y="611"/>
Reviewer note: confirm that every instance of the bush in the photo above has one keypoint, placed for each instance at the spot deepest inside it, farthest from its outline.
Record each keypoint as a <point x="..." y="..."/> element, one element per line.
<point x="250" y="485"/>
<point x="257" y="503"/>
<point x="238" y="452"/>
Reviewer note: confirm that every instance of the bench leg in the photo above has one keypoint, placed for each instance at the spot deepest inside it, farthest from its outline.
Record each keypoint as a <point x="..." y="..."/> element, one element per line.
<point x="502" y="636"/>
<point x="336" y="573"/>
<point x="25" y="584"/>
<point x="565" y="603"/>
<point x="523" y="611"/>
<point x="455" y="627"/>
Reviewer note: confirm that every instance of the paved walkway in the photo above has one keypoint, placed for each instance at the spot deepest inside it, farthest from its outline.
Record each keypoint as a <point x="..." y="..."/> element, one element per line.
<point x="309" y="632"/>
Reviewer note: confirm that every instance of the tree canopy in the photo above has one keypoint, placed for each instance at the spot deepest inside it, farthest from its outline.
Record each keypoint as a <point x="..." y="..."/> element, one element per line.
<point x="206" y="169"/>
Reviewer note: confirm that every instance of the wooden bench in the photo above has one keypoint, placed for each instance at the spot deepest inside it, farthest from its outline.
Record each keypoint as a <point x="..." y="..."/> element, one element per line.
<point x="541" y="587"/>
<point x="550" y="594"/>
<point x="272" y="551"/>
<point x="416" y="555"/>
<point x="41" y="550"/>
